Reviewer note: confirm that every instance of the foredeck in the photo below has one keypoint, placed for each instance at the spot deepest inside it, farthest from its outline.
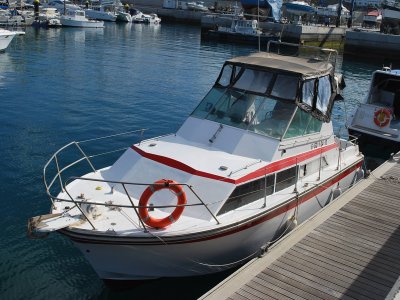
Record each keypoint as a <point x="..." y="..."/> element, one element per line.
<point x="350" y="250"/>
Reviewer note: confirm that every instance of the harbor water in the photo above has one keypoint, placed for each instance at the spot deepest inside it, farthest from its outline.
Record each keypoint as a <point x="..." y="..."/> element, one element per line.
<point x="63" y="85"/>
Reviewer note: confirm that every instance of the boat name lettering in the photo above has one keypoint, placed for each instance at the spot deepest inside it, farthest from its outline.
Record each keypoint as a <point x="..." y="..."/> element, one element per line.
<point x="318" y="144"/>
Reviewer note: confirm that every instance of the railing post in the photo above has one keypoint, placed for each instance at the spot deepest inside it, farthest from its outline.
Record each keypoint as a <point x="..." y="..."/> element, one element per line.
<point x="137" y="213"/>
<point x="87" y="158"/>
<point x="58" y="173"/>
<point x="197" y="196"/>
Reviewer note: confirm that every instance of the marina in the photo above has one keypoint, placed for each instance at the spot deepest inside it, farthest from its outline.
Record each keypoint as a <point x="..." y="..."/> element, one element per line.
<point x="139" y="87"/>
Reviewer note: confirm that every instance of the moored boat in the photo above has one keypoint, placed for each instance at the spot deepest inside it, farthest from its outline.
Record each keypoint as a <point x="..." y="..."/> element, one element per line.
<point x="298" y="8"/>
<point x="77" y="18"/>
<point x="377" y="121"/>
<point x="241" y="31"/>
<point x="256" y="155"/>
<point x="6" y="36"/>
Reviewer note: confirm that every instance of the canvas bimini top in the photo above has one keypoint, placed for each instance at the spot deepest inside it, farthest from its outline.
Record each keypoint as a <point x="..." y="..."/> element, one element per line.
<point x="305" y="68"/>
<point x="309" y="83"/>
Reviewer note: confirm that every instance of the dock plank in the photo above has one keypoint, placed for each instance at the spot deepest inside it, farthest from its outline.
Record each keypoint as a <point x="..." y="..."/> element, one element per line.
<point x="363" y="284"/>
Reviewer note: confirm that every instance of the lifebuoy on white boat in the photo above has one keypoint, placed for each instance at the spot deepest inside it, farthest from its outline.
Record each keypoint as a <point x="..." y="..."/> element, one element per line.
<point x="149" y="191"/>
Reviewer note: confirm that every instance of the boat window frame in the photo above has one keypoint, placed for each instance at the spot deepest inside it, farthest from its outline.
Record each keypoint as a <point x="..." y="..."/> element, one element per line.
<point x="238" y="198"/>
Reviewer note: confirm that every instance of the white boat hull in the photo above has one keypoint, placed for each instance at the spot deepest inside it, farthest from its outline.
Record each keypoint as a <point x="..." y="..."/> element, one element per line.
<point x="127" y="259"/>
<point x="6" y="37"/>
<point x="77" y="23"/>
<point x="5" y="40"/>
<point x="100" y="15"/>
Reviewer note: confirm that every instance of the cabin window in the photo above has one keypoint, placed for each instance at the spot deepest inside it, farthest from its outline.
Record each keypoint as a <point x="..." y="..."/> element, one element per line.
<point x="225" y="78"/>
<point x="303" y="123"/>
<point x="285" y="87"/>
<point x="324" y="94"/>
<point x="249" y="192"/>
<point x="308" y="92"/>
<point x="285" y="179"/>
<point x="235" y="109"/>
<point x="272" y="118"/>
<point x="207" y="106"/>
<point x="253" y="80"/>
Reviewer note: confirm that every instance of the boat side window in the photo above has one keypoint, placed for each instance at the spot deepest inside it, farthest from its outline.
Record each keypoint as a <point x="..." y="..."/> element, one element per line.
<point x="253" y="80"/>
<point x="249" y="192"/>
<point x="272" y="117"/>
<point x="285" y="179"/>
<point x="303" y="123"/>
<point x="324" y="93"/>
<point x="285" y="87"/>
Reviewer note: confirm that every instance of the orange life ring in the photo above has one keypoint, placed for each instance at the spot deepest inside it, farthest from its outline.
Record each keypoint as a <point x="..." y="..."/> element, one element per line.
<point x="149" y="191"/>
<point x="382" y="117"/>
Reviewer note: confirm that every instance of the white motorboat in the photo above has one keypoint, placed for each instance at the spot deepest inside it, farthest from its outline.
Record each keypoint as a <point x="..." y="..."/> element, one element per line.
<point x="151" y="19"/>
<point x="124" y="17"/>
<point x="102" y="11"/>
<point x="77" y="18"/>
<point x="6" y="36"/>
<point x="240" y="31"/>
<point x="255" y="157"/>
<point x="377" y="121"/>
<point x="48" y="17"/>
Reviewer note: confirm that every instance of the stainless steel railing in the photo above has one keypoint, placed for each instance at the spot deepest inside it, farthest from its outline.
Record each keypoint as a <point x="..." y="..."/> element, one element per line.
<point x="49" y="184"/>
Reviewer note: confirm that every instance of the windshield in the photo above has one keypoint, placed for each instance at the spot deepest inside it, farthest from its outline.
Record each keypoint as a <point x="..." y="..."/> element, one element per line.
<point x="257" y="113"/>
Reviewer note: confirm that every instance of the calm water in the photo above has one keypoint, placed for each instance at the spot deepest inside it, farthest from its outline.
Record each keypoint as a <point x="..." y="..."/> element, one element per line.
<point x="72" y="84"/>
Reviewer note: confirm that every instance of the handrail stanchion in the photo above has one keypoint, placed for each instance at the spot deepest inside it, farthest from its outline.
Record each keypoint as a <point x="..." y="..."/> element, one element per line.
<point x="133" y="205"/>
<point x="197" y="196"/>
<point x="58" y="173"/>
<point x="78" y="206"/>
<point x="87" y="158"/>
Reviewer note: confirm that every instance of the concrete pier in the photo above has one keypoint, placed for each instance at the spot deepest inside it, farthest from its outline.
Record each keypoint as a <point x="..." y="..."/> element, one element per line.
<point x="349" y="250"/>
<point x="373" y="44"/>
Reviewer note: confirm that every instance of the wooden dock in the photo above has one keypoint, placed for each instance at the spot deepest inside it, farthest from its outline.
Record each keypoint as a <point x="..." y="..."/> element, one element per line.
<point x="349" y="250"/>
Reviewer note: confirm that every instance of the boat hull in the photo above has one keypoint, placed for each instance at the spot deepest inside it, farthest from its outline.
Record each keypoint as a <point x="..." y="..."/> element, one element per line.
<point x="86" y="24"/>
<point x="5" y="40"/>
<point x="117" y="258"/>
<point x="99" y="15"/>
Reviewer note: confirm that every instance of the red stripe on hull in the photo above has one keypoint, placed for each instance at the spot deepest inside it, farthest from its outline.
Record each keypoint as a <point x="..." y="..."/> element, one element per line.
<point x="274" y="213"/>
<point x="271" y="168"/>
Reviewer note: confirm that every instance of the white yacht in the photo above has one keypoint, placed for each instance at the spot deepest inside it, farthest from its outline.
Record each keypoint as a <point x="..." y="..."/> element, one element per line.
<point x="6" y="36"/>
<point x="377" y="121"/>
<point x="124" y="17"/>
<point x="77" y="18"/>
<point x="102" y="11"/>
<point x="151" y="19"/>
<point x="256" y="156"/>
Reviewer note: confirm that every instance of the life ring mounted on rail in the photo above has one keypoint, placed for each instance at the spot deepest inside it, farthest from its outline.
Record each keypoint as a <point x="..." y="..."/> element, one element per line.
<point x="382" y="117"/>
<point x="149" y="191"/>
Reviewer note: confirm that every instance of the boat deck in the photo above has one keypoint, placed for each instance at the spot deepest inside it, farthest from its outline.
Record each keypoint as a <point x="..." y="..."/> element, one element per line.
<point x="350" y="250"/>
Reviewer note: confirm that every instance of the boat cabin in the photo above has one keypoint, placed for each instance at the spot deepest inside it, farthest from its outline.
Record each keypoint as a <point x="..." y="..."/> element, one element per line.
<point x="380" y="114"/>
<point x="242" y="26"/>
<point x="271" y="95"/>
<point x="385" y="91"/>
